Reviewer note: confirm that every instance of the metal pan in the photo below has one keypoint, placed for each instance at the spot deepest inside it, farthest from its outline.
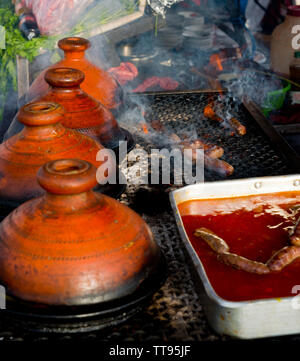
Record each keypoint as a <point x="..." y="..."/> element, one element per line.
<point x="246" y="319"/>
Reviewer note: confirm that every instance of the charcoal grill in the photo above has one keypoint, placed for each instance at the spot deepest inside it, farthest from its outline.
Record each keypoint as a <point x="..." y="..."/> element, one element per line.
<point x="175" y="313"/>
<point x="261" y="152"/>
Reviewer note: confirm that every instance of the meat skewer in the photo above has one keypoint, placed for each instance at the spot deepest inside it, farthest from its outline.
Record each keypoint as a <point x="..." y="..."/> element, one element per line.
<point x="243" y="263"/>
<point x="216" y="243"/>
<point x="211" y="150"/>
<point x="237" y="126"/>
<point x="234" y="123"/>
<point x="211" y="161"/>
<point x="214" y="152"/>
<point x="283" y="258"/>
<point x="218" y="166"/>
<point x="276" y="263"/>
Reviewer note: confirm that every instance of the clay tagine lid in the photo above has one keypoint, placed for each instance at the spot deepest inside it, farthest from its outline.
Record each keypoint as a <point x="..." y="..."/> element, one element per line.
<point x="73" y="246"/>
<point x="82" y="112"/>
<point x="98" y="83"/>
<point x="42" y="139"/>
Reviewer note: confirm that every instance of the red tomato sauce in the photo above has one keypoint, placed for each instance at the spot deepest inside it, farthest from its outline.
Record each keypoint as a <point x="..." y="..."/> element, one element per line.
<point x="254" y="227"/>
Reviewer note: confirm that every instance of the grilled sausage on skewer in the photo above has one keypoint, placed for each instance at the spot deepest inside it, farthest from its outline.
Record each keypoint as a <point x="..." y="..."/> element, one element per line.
<point x="237" y="126"/>
<point x="211" y="150"/>
<point x="214" y="152"/>
<point x="216" y="243"/>
<point x="244" y="264"/>
<point x="218" y="166"/>
<point x="283" y="258"/>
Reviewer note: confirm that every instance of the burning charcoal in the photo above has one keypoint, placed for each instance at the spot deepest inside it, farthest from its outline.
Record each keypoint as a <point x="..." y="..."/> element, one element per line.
<point x="210" y="113"/>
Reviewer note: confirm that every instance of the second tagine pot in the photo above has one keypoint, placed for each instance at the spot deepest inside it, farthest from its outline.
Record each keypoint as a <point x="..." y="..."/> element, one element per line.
<point x="82" y="112"/>
<point x="42" y="139"/>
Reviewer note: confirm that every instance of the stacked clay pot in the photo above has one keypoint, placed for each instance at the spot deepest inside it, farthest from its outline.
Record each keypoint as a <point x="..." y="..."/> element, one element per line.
<point x="73" y="246"/>
<point x="97" y="83"/>
<point x="82" y="112"/>
<point x="42" y="139"/>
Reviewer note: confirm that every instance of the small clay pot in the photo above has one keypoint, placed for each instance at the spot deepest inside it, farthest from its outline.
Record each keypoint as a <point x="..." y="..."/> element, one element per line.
<point x="42" y="139"/>
<point x="82" y="112"/>
<point x="73" y="246"/>
<point x="98" y="83"/>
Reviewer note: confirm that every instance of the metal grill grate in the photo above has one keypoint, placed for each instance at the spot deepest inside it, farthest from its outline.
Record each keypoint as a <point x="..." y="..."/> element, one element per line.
<point x="252" y="155"/>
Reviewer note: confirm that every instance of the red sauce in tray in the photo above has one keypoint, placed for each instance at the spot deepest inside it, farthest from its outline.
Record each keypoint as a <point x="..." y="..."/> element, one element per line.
<point x="254" y="227"/>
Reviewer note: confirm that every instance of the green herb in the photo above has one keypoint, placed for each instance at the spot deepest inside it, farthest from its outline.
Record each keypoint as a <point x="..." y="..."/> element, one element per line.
<point x="99" y="14"/>
<point x="15" y="45"/>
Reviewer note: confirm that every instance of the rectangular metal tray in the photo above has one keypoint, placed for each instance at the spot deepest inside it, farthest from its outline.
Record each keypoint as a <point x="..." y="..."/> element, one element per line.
<point x="246" y="319"/>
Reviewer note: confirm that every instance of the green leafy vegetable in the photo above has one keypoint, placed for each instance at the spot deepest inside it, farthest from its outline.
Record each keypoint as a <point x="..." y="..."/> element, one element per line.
<point x="15" y="45"/>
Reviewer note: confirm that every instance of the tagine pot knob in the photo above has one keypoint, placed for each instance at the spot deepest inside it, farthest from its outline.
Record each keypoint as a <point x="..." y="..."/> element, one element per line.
<point x="42" y="139"/>
<point x="73" y="246"/>
<point x="64" y="77"/>
<point x="74" y="44"/>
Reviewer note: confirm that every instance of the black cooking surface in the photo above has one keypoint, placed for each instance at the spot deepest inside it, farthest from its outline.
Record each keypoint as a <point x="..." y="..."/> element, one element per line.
<point x="252" y="155"/>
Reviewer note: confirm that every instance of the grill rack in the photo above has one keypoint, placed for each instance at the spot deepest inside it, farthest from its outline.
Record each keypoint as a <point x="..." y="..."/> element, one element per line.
<point x="262" y="151"/>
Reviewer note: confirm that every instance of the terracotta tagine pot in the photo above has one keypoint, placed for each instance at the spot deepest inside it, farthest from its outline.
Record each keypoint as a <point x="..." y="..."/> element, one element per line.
<point x="98" y="83"/>
<point x="73" y="248"/>
<point x="82" y="112"/>
<point x="42" y="139"/>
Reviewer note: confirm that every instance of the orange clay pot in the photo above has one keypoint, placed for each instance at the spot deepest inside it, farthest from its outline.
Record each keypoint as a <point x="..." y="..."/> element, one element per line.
<point x="42" y="139"/>
<point x="82" y="112"/>
<point x="98" y="83"/>
<point x="73" y="246"/>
